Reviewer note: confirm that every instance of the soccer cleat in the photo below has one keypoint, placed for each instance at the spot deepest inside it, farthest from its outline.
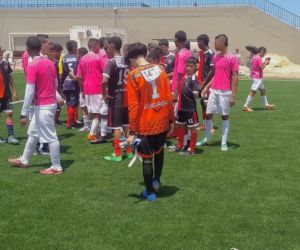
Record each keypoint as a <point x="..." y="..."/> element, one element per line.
<point x="270" y="107"/>
<point x="17" y="163"/>
<point x="84" y="129"/>
<point x="12" y="140"/>
<point x="202" y="143"/>
<point x="187" y="153"/>
<point x="174" y="148"/>
<point x="156" y="184"/>
<point x="247" y="109"/>
<point x="99" y="140"/>
<point x="113" y="158"/>
<point x="148" y="196"/>
<point x="91" y="137"/>
<point x="224" y="147"/>
<point x="45" y="152"/>
<point x="51" y="171"/>
<point x="2" y="141"/>
<point x="129" y="156"/>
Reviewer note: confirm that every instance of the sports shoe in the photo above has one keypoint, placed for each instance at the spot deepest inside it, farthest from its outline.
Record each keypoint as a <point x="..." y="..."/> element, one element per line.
<point x="224" y="147"/>
<point x="17" y="163"/>
<point x="2" y="141"/>
<point x="246" y="109"/>
<point x="84" y="129"/>
<point x="149" y="196"/>
<point x="99" y="140"/>
<point x="156" y="184"/>
<point x="113" y="158"/>
<point x="51" y="171"/>
<point x="187" y="153"/>
<point x="129" y="155"/>
<point x="202" y="143"/>
<point x="58" y="123"/>
<point x="12" y="140"/>
<point x="270" y="107"/>
<point x="174" y="148"/>
<point x="91" y="137"/>
<point x="202" y="127"/>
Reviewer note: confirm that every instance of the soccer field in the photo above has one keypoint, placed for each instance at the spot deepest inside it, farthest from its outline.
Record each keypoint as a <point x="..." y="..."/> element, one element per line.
<point x="246" y="198"/>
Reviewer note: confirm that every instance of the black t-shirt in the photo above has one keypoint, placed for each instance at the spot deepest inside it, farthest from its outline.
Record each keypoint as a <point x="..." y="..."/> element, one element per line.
<point x="69" y="62"/>
<point x="208" y="62"/>
<point x="5" y="70"/>
<point x="117" y="72"/>
<point x="187" y="101"/>
<point x="169" y="61"/>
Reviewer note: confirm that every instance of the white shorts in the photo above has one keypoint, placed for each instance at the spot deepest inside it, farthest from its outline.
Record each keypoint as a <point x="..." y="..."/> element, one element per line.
<point x="257" y="84"/>
<point x="96" y="104"/>
<point x="42" y="124"/>
<point x="82" y="102"/>
<point x="218" y="104"/>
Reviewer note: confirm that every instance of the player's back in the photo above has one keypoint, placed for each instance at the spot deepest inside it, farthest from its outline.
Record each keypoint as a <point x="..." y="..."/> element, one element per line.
<point x="149" y="100"/>
<point x="69" y="63"/>
<point x="42" y="73"/>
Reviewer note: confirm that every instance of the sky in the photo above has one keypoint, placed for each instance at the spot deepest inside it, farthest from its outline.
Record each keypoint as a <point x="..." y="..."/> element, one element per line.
<point x="291" y="5"/>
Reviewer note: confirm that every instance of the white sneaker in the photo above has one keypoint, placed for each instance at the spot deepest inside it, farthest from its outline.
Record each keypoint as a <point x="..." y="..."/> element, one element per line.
<point x="84" y="129"/>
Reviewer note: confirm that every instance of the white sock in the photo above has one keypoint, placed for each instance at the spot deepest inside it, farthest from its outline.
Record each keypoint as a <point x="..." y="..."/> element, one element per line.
<point x="248" y="101"/>
<point x="95" y="126"/>
<point x="187" y="137"/>
<point x="265" y="100"/>
<point x="86" y="121"/>
<point x="29" y="149"/>
<point x="225" y="131"/>
<point x="55" y="155"/>
<point x="208" y="126"/>
<point x="103" y="127"/>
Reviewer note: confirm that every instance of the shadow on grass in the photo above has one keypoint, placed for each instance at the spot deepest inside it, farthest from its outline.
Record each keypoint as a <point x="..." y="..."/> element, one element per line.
<point x="230" y="145"/>
<point x="164" y="192"/>
<point x="64" y="149"/>
<point x="65" y="136"/>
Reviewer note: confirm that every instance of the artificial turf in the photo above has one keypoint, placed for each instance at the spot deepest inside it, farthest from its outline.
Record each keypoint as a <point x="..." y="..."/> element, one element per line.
<point x="246" y="198"/>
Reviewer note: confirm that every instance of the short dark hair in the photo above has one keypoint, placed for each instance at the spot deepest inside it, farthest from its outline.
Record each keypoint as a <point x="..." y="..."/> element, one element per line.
<point x="204" y="38"/>
<point x="43" y="38"/>
<point x="187" y="44"/>
<point x="102" y="41"/>
<point x="57" y="47"/>
<point x="71" y="45"/>
<point x="155" y="54"/>
<point x="225" y="37"/>
<point x="192" y="60"/>
<point x="92" y="42"/>
<point x="251" y="49"/>
<point x="33" y="44"/>
<point x="82" y="51"/>
<point x="135" y="50"/>
<point x="163" y="42"/>
<point x="261" y="49"/>
<point x="181" y="36"/>
<point x="116" y="41"/>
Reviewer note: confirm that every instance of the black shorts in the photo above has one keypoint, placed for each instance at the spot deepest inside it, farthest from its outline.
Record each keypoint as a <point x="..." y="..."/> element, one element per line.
<point x="189" y="118"/>
<point x="151" y="144"/>
<point x="117" y="117"/>
<point x="72" y="97"/>
<point x="5" y="104"/>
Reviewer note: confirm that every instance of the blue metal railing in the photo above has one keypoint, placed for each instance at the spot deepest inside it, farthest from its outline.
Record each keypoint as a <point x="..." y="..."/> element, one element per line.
<point x="264" y="5"/>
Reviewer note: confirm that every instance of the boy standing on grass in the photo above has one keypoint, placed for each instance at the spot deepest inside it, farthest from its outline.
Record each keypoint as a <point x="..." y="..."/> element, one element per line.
<point x="223" y="89"/>
<point x="257" y="75"/>
<point x="114" y="88"/>
<point x="150" y="114"/>
<point x="187" y="118"/>
<point x="40" y="90"/>
<point x="7" y="94"/>
<point x="89" y="72"/>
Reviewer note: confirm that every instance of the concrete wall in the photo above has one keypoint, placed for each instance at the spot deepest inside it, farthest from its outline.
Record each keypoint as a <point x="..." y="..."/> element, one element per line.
<point x="243" y="25"/>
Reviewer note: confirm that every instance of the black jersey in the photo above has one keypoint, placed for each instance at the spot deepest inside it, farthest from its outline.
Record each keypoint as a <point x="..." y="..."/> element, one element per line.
<point x="70" y="63"/>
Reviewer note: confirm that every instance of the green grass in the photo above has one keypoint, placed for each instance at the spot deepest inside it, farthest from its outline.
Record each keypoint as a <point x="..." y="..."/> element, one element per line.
<point x="247" y="198"/>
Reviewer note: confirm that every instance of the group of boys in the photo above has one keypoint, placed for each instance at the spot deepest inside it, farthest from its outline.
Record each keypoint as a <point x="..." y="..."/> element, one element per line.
<point x="130" y="94"/>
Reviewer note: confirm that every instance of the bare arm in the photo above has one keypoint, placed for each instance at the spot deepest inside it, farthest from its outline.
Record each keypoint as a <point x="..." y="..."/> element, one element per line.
<point x="235" y="81"/>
